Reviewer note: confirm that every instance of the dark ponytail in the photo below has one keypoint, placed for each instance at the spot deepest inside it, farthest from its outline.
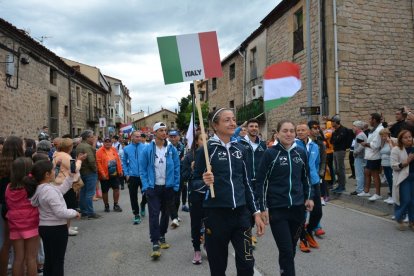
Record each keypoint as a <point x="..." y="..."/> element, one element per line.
<point x="39" y="170"/>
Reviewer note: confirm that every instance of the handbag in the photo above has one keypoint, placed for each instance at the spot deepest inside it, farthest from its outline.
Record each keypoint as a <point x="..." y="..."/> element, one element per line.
<point x="77" y="185"/>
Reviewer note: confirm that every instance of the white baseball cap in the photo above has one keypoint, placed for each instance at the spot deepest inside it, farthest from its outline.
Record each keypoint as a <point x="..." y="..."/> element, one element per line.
<point x="159" y="125"/>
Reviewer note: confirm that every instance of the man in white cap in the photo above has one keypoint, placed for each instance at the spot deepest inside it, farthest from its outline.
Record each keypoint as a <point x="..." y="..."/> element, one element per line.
<point x="159" y="167"/>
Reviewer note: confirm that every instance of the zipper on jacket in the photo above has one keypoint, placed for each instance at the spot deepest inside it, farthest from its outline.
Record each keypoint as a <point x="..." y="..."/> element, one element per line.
<point x="290" y="179"/>
<point x="231" y="177"/>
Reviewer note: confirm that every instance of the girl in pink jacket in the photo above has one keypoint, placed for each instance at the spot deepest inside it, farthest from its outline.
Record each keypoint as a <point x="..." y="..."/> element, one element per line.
<point x="23" y="218"/>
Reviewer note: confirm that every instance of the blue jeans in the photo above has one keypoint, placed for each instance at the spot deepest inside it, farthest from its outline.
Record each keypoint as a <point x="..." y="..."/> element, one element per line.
<point x="388" y="176"/>
<point x="406" y="199"/>
<point x="86" y="194"/>
<point x="359" y="164"/>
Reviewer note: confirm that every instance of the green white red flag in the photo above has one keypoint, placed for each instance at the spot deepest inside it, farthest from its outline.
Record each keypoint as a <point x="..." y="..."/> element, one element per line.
<point x="189" y="57"/>
<point x="280" y="82"/>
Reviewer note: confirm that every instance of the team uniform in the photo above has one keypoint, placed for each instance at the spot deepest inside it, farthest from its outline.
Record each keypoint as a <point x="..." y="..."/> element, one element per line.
<point x="228" y="215"/>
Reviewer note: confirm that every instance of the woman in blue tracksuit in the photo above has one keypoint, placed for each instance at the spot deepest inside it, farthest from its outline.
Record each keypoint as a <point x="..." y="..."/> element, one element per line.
<point x="283" y="191"/>
<point x="228" y="215"/>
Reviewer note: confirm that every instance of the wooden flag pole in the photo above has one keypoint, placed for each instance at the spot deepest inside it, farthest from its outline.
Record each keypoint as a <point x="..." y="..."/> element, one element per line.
<point x="203" y="136"/>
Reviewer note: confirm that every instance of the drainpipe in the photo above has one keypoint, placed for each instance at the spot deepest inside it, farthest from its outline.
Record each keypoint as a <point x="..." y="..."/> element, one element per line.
<point x="244" y="75"/>
<point x="336" y="58"/>
<point x="308" y="55"/>
<point x="320" y="55"/>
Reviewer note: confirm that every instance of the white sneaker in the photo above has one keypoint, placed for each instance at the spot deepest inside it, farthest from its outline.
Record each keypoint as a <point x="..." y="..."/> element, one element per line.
<point x="175" y="223"/>
<point x="74" y="228"/>
<point x="364" y="194"/>
<point x="375" y="197"/>
<point x="393" y="217"/>
<point x="406" y="219"/>
<point x="72" y="232"/>
<point x="389" y="200"/>
<point x="323" y="201"/>
<point x="179" y="219"/>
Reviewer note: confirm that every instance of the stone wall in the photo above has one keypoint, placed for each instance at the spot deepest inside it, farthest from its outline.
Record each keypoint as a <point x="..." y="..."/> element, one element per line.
<point x="228" y="90"/>
<point x="376" y="57"/>
<point x="27" y="108"/>
<point x="280" y="48"/>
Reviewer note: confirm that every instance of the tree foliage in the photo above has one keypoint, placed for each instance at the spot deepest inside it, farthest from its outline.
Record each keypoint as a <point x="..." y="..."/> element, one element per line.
<point x="184" y="116"/>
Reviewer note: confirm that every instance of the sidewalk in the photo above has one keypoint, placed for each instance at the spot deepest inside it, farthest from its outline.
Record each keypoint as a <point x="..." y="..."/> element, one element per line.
<point x="378" y="205"/>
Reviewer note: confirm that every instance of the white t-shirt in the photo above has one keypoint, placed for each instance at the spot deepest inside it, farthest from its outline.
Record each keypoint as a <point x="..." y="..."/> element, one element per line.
<point x="253" y="144"/>
<point x="160" y="165"/>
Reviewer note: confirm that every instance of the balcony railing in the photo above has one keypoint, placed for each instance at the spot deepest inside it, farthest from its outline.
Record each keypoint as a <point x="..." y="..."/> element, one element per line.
<point x="250" y="111"/>
<point x="93" y="114"/>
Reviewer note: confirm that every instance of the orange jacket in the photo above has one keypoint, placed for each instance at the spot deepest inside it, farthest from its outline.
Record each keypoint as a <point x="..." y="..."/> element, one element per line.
<point x="102" y="158"/>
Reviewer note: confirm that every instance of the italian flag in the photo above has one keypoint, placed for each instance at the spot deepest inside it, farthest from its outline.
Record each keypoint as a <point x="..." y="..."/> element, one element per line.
<point x="280" y="82"/>
<point x="189" y="57"/>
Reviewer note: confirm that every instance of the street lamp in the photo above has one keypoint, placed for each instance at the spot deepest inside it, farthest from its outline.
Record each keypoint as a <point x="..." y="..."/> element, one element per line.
<point x="178" y="102"/>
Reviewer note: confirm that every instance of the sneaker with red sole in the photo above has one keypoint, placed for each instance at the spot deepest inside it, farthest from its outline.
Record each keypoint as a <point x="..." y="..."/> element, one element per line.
<point x="304" y="247"/>
<point x="319" y="232"/>
<point x="311" y="241"/>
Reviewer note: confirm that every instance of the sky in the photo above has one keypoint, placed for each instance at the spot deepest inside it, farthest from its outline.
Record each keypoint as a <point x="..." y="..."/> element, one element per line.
<point x="119" y="37"/>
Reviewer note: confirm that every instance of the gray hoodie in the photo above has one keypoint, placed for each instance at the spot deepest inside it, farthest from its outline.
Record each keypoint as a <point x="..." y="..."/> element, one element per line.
<point x="52" y="206"/>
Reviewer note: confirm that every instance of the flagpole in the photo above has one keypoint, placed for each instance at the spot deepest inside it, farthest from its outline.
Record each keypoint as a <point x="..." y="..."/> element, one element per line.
<point x="203" y="136"/>
<point x="193" y="148"/>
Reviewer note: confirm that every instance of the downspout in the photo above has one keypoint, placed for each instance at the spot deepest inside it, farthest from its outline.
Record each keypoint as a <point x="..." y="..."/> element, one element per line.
<point x="320" y="56"/>
<point x="325" y="97"/>
<point x="244" y="75"/>
<point x="336" y="58"/>
<point x="308" y="56"/>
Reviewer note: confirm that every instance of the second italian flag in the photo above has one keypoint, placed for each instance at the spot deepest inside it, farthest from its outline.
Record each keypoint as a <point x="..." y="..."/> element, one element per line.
<point x="280" y="81"/>
<point x="189" y="57"/>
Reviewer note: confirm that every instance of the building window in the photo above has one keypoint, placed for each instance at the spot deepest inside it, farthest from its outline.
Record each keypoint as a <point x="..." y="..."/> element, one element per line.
<point x="298" y="32"/>
<point x="53" y="76"/>
<point x="78" y="96"/>
<point x="214" y="84"/>
<point x="231" y="104"/>
<point x="165" y="116"/>
<point x="232" y="71"/>
<point x="214" y="108"/>
<point x="201" y="95"/>
<point x="253" y="63"/>
<point x="99" y="102"/>
<point x="172" y="125"/>
<point x="66" y="111"/>
<point x="79" y="131"/>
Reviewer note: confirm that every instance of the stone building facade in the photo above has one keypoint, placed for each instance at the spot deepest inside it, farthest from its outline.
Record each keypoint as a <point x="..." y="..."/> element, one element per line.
<point x="164" y="115"/>
<point x="38" y="89"/>
<point x="361" y="63"/>
<point x="227" y="91"/>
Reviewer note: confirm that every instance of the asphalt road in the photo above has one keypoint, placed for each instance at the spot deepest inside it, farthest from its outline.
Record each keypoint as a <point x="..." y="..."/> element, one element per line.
<point x="355" y="244"/>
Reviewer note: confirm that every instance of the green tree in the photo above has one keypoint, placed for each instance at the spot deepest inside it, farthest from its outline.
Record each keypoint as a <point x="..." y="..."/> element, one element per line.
<point x="184" y="116"/>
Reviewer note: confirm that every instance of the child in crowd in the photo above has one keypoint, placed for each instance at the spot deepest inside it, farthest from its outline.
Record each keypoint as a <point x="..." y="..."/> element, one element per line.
<point x="53" y="215"/>
<point x="23" y="218"/>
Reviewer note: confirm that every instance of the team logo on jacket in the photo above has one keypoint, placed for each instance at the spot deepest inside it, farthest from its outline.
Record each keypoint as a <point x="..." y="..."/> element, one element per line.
<point x="222" y="155"/>
<point x="237" y="154"/>
<point x="297" y="160"/>
<point x="260" y="148"/>
<point x="283" y="160"/>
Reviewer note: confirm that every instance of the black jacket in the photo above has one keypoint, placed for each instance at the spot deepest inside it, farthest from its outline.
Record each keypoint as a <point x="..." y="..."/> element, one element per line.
<point x="231" y="182"/>
<point x="253" y="157"/>
<point x="282" y="180"/>
<point x="339" y="138"/>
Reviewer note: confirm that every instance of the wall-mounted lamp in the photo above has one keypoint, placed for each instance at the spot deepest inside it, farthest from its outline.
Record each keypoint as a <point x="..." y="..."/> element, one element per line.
<point x="25" y="60"/>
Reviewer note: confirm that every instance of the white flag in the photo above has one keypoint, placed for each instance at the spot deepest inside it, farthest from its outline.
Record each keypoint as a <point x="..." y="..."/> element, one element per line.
<point x="190" y="135"/>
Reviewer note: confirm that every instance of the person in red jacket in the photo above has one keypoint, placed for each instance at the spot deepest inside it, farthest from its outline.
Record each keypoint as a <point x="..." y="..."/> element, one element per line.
<point x="109" y="170"/>
<point x="23" y="219"/>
